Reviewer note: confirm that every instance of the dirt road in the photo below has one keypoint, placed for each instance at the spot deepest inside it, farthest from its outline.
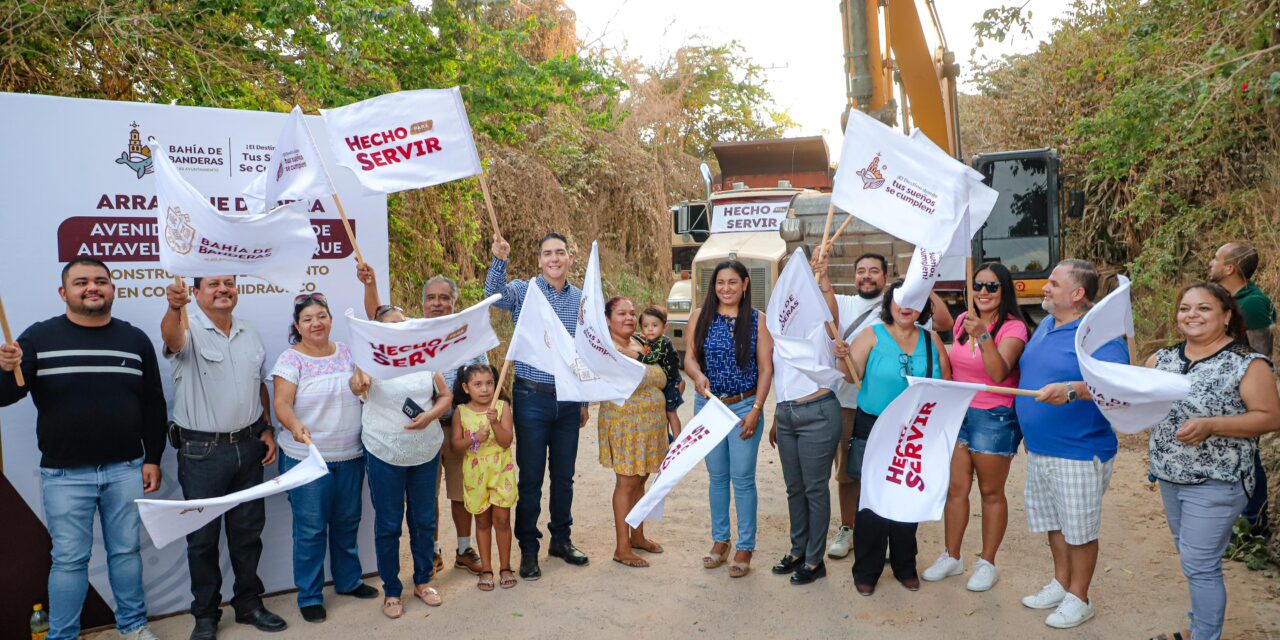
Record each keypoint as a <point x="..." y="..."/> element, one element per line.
<point x="1139" y="589"/>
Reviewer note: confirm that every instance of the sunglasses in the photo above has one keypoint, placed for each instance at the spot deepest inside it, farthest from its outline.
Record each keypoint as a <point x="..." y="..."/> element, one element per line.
<point x="384" y="309"/>
<point x="299" y="299"/>
<point x="990" y="287"/>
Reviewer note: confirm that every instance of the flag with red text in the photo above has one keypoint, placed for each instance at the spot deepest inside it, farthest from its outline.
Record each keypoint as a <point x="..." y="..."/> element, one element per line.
<point x="197" y="240"/>
<point x="296" y="171"/>
<point x="594" y="342"/>
<point x="709" y="426"/>
<point x="391" y="349"/>
<point x="906" y="469"/>
<point x="404" y="140"/>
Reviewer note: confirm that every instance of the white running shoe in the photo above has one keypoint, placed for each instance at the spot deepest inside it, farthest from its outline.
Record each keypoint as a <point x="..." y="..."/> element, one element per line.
<point x="984" y="576"/>
<point x="1049" y="597"/>
<point x="839" y="547"/>
<point x="1073" y="612"/>
<point x="141" y="633"/>
<point x="944" y="567"/>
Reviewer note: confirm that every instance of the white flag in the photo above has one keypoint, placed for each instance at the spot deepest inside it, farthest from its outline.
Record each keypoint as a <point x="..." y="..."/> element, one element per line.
<point x="198" y="240"/>
<point x="907" y="466"/>
<point x="1131" y="398"/>
<point x="168" y="520"/>
<point x="388" y="350"/>
<point x="540" y="340"/>
<point x="925" y="267"/>
<point x="404" y="140"/>
<point x="796" y="318"/>
<point x="296" y="171"/>
<point x="593" y="342"/>
<point x="888" y="180"/>
<point x="711" y="425"/>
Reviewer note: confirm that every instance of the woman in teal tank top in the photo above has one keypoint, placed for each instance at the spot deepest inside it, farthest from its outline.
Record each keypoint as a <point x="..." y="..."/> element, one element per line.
<point x="884" y="355"/>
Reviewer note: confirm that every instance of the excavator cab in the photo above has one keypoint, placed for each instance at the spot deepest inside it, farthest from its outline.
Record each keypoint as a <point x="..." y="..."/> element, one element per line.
<point x="1024" y="230"/>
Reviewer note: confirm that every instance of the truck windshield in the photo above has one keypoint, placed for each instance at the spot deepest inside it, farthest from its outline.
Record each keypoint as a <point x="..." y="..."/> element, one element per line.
<point x="1017" y="233"/>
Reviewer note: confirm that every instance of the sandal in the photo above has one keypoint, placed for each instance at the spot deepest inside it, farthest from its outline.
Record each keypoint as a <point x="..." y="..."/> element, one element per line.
<point x="429" y="596"/>
<point x="638" y="563"/>
<point x="649" y="547"/>
<point x="392" y="608"/>
<point x="711" y="562"/>
<point x="740" y="569"/>
<point x="508" y="578"/>
<point x="485" y="584"/>
<point x="1177" y="635"/>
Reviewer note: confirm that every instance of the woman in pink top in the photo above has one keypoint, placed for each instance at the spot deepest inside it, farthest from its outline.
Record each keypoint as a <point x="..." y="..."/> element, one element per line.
<point x="986" y="352"/>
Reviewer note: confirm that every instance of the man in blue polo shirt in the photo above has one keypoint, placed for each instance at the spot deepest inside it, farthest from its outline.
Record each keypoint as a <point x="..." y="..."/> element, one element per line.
<point x="1070" y="446"/>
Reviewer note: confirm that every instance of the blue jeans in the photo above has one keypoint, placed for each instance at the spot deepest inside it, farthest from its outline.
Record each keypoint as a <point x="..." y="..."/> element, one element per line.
<point x="734" y="461"/>
<point x="326" y="515"/>
<point x="545" y="429"/>
<point x="991" y="431"/>
<point x="71" y="497"/>
<point x="1200" y="517"/>
<point x="389" y="487"/>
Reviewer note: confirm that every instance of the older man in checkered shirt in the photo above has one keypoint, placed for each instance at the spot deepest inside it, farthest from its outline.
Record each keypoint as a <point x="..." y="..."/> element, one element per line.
<point x="1070" y="445"/>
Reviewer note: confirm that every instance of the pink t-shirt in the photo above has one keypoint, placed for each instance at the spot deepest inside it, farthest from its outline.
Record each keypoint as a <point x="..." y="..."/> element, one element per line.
<point x="967" y="366"/>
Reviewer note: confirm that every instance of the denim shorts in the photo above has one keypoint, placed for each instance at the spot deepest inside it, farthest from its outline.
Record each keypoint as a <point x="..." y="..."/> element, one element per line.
<point x="992" y="431"/>
<point x="671" y="393"/>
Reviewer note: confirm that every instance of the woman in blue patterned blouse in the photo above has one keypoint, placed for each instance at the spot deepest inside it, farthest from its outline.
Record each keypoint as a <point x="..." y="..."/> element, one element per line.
<point x="729" y="354"/>
<point x="1202" y="452"/>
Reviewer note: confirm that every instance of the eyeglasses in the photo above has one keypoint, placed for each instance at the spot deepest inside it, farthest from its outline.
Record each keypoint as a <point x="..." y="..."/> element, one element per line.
<point x="991" y="287"/>
<point x="905" y="361"/>
<point x="384" y="309"/>
<point x="299" y="299"/>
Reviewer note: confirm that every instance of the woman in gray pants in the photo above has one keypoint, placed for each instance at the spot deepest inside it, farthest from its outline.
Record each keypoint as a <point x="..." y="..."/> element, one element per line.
<point x="806" y="432"/>
<point x="1202" y="452"/>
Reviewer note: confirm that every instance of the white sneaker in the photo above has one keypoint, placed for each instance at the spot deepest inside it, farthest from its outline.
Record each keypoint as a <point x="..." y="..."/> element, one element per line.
<point x="944" y="567"/>
<point x="839" y="547"/>
<point x="1050" y="596"/>
<point x="141" y="633"/>
<point x="1073" y="612"/>
<point x="984" y="576"/>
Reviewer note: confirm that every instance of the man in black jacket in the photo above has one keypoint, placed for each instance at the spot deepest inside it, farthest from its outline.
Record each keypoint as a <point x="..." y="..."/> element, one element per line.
<point x="101" y="431"/>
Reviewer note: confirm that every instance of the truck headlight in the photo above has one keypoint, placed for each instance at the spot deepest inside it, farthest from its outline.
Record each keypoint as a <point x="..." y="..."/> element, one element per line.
<point x="679" y="305"/>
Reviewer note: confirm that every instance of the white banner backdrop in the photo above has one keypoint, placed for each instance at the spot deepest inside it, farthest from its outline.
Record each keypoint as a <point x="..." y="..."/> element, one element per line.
<point x="753" y="214"/>
<point x="80" y="182"/>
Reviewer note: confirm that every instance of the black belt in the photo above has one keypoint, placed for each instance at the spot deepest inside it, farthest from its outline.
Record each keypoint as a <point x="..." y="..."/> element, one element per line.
<point x="540" y="387"/>
<point x="218" y="438"/>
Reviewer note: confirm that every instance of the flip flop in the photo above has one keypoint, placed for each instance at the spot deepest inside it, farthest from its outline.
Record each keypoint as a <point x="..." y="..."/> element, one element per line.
<point x="392" y="608"/>
<point x="638" y="563"/>
<point x="485" y="584"/>
<point x="653" y="547"/>
<point x="507" y="582"/>
<point x="429" y="596"/>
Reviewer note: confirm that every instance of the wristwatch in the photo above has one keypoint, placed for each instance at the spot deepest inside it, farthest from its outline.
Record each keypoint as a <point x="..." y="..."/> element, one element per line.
<point x="986" y="335"/>
<point x="1072" y="396"/>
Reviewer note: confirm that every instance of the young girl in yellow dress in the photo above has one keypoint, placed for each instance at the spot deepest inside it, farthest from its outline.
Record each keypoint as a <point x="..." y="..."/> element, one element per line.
<point x="482" y="432"/>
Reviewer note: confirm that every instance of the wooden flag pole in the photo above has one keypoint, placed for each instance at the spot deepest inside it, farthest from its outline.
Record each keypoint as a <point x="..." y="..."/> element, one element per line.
<point x="8" y="339"/>
<point x="970" y="294"/>
<point x="186" y="324"/>
<point x="848" y="360"/>
<point x="830" y="244"/>
<point x="346" y="224"/>
<point x="488" y="204"/>
<point x="1010" y="391"/>
<point x="502" y="379"/>
<point x="826" y="230"/>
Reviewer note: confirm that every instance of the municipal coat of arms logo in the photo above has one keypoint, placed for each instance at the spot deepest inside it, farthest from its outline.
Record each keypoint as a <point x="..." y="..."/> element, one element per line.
<point x="136" y="156"/>
<point x="872" y="178"/>
<point x="178" y="232"/>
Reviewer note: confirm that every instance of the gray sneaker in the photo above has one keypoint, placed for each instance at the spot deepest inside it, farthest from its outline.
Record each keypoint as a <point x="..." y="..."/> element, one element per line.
<point x="141" y="633"/>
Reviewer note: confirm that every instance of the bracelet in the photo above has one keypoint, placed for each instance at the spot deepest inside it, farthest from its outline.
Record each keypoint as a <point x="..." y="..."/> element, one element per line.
<point x="757" y="406"/>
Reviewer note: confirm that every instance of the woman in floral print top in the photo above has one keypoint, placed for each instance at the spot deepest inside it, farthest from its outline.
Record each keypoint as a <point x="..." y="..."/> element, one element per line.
<point x="1202" y="452"/>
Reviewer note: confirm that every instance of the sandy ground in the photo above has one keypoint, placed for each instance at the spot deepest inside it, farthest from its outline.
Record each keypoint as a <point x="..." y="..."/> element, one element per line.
<point x="1138" y="591"/>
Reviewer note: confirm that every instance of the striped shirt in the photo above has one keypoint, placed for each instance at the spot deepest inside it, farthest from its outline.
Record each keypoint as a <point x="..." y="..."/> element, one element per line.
<point x="97" y="392"/>
<point x="566" y="302"/>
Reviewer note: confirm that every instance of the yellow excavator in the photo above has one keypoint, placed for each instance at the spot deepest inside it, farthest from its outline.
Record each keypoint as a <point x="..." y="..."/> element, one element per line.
<point x="885" y="46"/>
